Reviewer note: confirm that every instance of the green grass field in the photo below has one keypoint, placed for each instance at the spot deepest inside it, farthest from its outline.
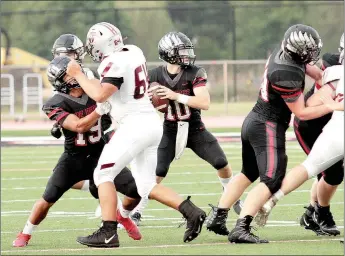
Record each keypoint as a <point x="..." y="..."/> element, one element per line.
<point x="25" y="171"/>
<point x="241" y="108"/>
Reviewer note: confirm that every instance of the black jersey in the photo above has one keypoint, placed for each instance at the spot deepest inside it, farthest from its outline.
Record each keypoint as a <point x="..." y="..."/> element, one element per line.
<point x="60" y="106"/>
<point x="328" y="60"/>
<point x="283" y="82"/>
<point x="184" y="83"/>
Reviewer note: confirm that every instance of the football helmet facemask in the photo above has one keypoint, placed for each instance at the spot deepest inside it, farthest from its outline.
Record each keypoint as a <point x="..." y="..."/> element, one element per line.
<point x="56" y="73"/>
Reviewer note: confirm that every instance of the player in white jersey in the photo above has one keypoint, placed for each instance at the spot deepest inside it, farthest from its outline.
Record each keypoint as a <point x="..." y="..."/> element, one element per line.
<point x="123" y="82"/>
<point x="327" y="150"/>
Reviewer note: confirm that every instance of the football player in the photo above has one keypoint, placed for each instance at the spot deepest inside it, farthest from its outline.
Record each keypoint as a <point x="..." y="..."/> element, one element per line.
<point x="263" y="130"/>
<point x="327" y="150"/>
<point x="80" y="120"/>
<point x="123" y="83"/>
<point x="70" y="45"/>
<point x="327" y="182"/>
<point x="184" y="84"/>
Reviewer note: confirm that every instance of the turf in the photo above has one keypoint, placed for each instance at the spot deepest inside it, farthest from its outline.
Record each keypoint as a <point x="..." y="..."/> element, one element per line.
<point x="25" y="171"/>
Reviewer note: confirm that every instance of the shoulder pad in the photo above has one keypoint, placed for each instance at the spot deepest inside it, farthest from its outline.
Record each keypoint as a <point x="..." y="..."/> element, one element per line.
<point x="201" y="72"/>
<point x="332" y="73"/>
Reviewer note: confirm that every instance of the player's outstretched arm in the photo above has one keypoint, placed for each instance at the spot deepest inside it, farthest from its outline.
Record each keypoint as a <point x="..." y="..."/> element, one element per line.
<point x="317" y="98"/>
<point x="84" y="124"/>
<point x="307" y="113"/>
<point x="96" y="90"/>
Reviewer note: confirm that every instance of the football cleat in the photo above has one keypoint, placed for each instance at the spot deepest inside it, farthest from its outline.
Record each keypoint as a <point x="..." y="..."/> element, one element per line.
<point x="262" y="216"/>
<point x="307" y="221"/>
<point x="22" y="240"/>
<point x="324" y="218"/>
<point x="195" y="218"/>
<point x="136" y="217"/>
<point x="130" y="226"/>
<point x="238" y="207"/>
<point x="216" y="222"/>
<point x="103" y="237"/>
<point x="242" y="234"/>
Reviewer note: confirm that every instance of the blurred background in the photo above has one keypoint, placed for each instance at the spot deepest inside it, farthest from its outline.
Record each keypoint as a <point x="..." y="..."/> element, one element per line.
<point x="232" y="41"/>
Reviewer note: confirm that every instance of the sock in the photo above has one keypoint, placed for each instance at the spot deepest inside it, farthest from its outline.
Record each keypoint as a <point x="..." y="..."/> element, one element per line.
<point x="109" y="224"/>
<point x="278" y="195"/>
<point x="124" y="213"/>
<point x="224" y="181"/>
<point x="85" y="186"/>
<point x="119" y="202"/>
<point x="141" y="206"/>
<point x="29" y="228"/>
<point x="323" y="209"/>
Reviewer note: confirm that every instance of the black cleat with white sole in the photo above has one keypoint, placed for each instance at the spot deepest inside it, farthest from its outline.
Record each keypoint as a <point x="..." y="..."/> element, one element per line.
<point x="216" y="221"/>
<point x="106" y="236"/>
<point x="195" y="219"/>
<point x="242" y="234"/>
<point x="324" y="218"/>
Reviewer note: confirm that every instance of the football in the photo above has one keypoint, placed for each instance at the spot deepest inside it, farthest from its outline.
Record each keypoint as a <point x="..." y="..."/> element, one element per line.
<point x="160" y="104"/>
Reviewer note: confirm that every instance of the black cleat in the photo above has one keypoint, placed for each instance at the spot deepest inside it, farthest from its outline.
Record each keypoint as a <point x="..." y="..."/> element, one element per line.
<point x="136" y="217"/>
<point x="324" y="218"/>
<point x="307" y="221"/>
<point x="105" y="236"/>
<point x="242" y="234"/>
<point x="216" y="222"/>
<point x="195" y="219"/>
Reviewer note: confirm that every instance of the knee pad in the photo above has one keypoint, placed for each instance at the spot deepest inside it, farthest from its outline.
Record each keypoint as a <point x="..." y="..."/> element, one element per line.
<point x="162" y="171"/>
<point x="273" y="184"/>
<point x="220" y="162"/>
<point x="93" y="190"/>
<point x="103" y="175"/>
<point x="334" y="175"/>
<point x="53" y="193"/>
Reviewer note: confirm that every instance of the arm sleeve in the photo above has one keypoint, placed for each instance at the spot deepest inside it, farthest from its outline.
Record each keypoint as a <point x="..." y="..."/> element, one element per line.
<point x="55" y="113"/>
<point x="112" y="73"/>
<point x="288" y="85"/>
<point x="200" y="78"/>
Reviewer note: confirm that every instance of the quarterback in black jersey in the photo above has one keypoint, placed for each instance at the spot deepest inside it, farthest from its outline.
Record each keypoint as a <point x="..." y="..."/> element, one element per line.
<point x="327" y="182"/>
<point x="79" y="117"/>
<point x="184" y="84"/>
<point x="263" y="130"/>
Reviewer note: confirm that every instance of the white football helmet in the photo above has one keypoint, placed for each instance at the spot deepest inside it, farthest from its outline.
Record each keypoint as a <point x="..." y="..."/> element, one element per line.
<point x="103" y="39"/>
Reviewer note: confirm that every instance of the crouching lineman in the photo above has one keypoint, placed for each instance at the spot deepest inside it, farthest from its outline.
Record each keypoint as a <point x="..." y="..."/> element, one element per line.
<point x="124" y="82"/>
<point x="327" y="182"/>
<point x="184" y="84"/>
<point x="327" y="150"/>
<point x="80" y="119"/>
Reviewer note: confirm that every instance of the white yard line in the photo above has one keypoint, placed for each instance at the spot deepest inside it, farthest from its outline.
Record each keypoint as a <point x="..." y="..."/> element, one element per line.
<point x="159" y="246"/>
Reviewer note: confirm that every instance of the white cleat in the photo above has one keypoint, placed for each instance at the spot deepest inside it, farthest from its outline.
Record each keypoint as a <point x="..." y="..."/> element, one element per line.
<point x="264" y="212"/>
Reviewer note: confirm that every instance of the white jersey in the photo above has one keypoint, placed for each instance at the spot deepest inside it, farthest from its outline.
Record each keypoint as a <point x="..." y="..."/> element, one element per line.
<point x="334" y="76"/>
<point x="131" y="99"/>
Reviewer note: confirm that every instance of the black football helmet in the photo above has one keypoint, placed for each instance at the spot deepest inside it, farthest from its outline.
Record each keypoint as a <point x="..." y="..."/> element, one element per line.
<point x="56" y="71"/>
<point x="176" y="48"/>
<point x="302" y="43"/>
<point x="69" y="45"/>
